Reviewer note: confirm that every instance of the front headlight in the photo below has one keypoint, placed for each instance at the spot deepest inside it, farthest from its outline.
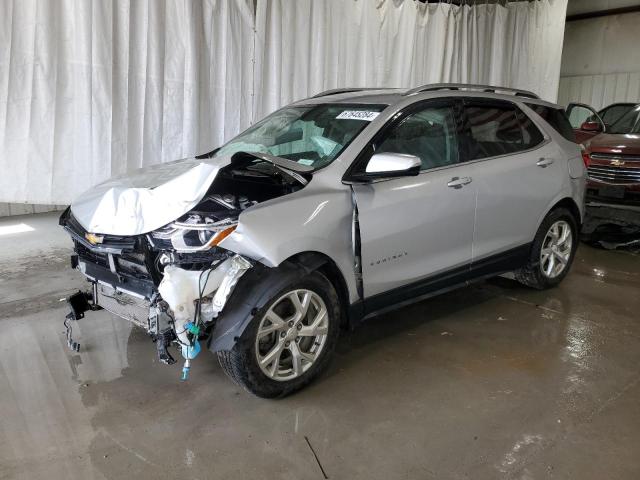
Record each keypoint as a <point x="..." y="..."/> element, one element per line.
<point x="193" y="233"/>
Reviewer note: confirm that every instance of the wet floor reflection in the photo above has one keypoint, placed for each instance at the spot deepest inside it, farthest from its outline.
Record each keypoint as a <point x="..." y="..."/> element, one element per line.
<point x="479" y="381"/>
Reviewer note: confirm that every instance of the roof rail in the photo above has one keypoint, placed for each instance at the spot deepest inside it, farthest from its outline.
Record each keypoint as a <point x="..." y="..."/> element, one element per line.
<point x="336" y="91"/>
<point x="432" y="87"/>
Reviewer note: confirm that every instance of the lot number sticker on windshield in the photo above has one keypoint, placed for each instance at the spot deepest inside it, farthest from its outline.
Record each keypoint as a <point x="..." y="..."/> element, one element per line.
<point x="357" y="115"/>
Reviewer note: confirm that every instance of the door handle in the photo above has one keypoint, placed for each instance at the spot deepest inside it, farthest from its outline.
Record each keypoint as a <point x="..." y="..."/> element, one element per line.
<point x="458" y="182"/>
<point x="544" y="162"/>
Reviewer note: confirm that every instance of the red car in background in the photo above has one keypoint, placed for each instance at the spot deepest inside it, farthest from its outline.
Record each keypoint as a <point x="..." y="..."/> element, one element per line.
<point x="613" y="160"/>
<point x="587" y="123"/>
<point x="611" y="153"/>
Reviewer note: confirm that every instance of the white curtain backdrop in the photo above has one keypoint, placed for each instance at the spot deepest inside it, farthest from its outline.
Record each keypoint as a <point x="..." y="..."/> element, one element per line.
<point x="306" y="46"/>
<point x="93" y="88"/>
<point x="89" y="89"/>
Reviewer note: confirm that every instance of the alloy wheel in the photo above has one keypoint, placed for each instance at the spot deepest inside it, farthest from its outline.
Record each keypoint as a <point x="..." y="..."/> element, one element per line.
<point x="292" y="334"/>
<point x="556" y="249"/>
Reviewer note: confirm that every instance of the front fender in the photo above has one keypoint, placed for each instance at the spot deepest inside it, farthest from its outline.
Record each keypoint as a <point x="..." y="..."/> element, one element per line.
<point x="315" y="219"/>
<point x="251" y="294"/>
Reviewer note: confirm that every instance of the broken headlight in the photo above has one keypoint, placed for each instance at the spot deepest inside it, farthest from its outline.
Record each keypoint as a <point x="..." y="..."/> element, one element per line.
<point x="192" y="233"/>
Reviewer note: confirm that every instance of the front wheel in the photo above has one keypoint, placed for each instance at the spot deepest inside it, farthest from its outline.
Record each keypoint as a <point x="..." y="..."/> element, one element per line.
<point x="289" y="341"/>
<point x="553" y="250"/>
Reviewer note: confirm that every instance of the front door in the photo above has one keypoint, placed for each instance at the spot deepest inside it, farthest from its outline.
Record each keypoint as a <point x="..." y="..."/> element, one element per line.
<point x="417" y="230"/>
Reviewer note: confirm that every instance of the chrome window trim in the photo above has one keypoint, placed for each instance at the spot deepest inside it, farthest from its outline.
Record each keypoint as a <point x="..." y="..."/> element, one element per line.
<point x="461" y="164"/>
<point x="546" y="139"/>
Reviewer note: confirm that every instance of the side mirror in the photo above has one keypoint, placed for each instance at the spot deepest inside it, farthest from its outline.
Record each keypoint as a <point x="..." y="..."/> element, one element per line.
<point x="591" y="127"/>
<point x="393" y="165"/>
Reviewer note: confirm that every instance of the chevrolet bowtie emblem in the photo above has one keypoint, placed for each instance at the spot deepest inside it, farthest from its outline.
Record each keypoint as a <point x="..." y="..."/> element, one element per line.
<point x="93" y="238"/>
<point x="617" y="162"/>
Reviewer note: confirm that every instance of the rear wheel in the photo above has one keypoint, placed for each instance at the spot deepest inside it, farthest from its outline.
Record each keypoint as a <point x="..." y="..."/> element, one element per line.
<point x="289" y="341"/>
<point x="553" y="251"/>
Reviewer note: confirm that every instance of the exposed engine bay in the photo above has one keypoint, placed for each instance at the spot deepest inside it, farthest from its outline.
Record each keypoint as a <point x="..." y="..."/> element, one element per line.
<point x="175" y="281"/>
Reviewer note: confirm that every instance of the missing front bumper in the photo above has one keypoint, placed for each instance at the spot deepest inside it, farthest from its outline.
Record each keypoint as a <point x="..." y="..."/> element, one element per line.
<point x="183" y="298"/>
<point x="134" y="309"/>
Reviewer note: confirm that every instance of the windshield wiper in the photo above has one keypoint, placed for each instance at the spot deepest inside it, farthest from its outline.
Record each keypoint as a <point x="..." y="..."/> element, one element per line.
<point x="286" y="166"/>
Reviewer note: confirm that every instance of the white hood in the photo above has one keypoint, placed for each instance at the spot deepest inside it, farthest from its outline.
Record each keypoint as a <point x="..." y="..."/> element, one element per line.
<point x="146" y="199"/>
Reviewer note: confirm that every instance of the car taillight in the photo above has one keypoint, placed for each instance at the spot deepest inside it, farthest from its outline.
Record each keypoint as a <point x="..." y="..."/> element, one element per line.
<point x="586" y="158"/>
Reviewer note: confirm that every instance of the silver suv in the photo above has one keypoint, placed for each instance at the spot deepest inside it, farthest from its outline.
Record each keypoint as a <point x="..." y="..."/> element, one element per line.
<point x="329" y="211"/>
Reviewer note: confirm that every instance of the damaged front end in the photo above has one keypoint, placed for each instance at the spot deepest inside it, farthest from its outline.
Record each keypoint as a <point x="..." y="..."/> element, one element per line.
<point x="175" y="295"/>
<point x="173" y="281"/>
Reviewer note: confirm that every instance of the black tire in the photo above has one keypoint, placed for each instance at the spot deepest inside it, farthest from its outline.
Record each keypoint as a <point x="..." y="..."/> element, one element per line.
<point x="241" y="363"/>
<point x="532" y="274"/>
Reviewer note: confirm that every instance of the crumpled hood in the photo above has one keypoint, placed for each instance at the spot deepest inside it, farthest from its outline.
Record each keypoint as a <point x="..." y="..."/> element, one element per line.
<point x="146" y="199"/>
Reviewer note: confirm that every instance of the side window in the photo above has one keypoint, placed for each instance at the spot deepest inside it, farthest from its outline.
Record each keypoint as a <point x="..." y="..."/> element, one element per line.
<point x="429" y="134"/>
<point x="555" y="117"/>
<point x="493" y="130"/>
<point x="530" y="133"/>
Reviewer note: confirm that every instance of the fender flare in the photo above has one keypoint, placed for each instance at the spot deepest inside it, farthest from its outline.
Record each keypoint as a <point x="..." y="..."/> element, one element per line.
<point x="253" y="291"/>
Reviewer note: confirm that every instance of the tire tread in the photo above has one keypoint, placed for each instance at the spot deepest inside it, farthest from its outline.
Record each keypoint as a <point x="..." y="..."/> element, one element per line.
<point x="237" y="362"/>
<point x="530" y="274"/>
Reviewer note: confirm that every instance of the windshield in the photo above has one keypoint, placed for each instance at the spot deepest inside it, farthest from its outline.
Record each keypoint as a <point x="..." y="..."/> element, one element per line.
<point x="629" y="123"/>
<point x="613" y="113"/>
<point x="310" y="135"/>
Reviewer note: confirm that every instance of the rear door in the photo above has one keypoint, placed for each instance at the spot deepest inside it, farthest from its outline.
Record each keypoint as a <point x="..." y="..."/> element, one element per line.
<point x="416" y="229"/>
<point x="517" y="173"/>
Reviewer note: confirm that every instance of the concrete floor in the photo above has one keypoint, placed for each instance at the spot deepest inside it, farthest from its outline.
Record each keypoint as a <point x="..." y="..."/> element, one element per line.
<point x="492" y="381"/>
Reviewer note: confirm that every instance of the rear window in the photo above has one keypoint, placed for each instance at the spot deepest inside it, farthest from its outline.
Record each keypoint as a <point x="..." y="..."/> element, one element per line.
<point x="499" y="129"/>
<point x="555" y="117"/>
<point x="531" y="135"/>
